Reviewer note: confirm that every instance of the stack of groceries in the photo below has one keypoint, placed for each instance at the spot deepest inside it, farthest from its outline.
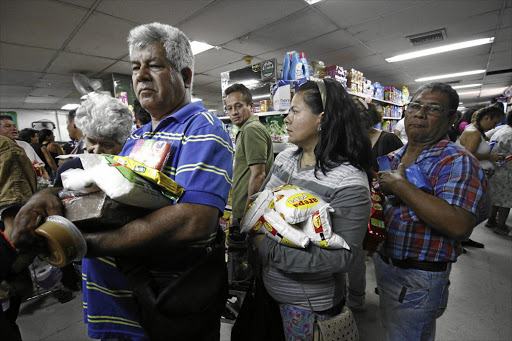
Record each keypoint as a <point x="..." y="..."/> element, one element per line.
<point x="293" y="217"/>
<point x="109" y="192"/>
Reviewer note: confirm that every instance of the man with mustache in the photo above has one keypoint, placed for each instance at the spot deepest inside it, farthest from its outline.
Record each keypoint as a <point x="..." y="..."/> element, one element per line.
<point x="425" y="227"/>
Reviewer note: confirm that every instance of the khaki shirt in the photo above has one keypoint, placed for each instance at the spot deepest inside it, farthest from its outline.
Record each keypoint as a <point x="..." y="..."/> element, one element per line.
<point x="253" y="146"/>
<point x="17" y="175"/>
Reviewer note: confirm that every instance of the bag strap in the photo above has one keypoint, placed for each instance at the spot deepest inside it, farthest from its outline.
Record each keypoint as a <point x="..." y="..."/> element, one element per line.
<point x="316" y="329"/>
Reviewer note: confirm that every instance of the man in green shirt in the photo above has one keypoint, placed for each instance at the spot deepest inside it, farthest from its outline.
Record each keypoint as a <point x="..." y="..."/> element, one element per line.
<point x="254" y="154"/>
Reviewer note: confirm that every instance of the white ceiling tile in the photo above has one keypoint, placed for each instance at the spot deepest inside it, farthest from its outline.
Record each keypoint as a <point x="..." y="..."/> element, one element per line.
<point x="38" y="23"/>
<point x="121" y="67"/>
<point x="214" y="58"/>
<point x="103" y="36"/>
<point x="344" y="55"/>
<point x="69" y="63"/>
<point x="14" y="91"/>
<point x="429" y="16"/>
<point x="200" y="79"/>
<point x="22" y="58"/>
<point x="19" y="78"/>
<point x="80" y="3"/>
<point x="56" y="81"/>
<point x="289" y="31"/>
<point x="164" y="11"/>
<point x="51" y="92"/>
<point x="44" y="99"/>
<point x="326" y="43"/>
<point x="226" y="20"/>
<point x="349" y="13"/>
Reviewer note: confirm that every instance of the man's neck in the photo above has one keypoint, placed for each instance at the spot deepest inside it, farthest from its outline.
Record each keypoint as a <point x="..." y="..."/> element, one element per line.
<point x="156" y="121"/>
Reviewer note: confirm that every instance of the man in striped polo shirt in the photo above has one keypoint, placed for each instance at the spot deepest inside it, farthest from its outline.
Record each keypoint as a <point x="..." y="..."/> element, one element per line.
<point x="172" y="258"/>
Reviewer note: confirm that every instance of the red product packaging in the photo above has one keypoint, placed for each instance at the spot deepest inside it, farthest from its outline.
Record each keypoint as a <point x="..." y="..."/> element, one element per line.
<point x="153" y="154"/>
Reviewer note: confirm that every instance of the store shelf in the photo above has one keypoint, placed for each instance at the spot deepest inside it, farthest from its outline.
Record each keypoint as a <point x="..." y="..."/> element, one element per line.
<point x="375" y="99"/>
<point x="266" y="113"/>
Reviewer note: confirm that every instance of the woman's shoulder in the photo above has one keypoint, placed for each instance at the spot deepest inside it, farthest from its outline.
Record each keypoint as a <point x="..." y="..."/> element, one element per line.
<point x="287" y="154"/>
<point x="348" y="175"/>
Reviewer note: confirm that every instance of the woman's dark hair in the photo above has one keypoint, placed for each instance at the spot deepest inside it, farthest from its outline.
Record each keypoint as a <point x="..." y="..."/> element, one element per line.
<point x="342" y="136"/>
<point x="492" y="111"/>
<point x="369" y="117"/>
<point x="142" y="115"/>
<point x="43" y="134"/>
<point x="27" y="134"/>
<point x="509" y="119"/>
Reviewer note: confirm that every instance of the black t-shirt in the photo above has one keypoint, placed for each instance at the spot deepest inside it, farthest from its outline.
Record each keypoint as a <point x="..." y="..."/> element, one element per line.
<point x="386" y="143"/>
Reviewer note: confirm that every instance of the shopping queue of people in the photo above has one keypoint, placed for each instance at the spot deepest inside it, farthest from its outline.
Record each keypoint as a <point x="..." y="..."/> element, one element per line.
<point x="178" y="251"/>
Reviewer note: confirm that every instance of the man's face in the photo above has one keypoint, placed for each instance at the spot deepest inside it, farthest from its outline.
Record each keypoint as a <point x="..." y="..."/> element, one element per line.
<point x="8" y="129"/>
<point x="159" y="88"/>
<point x="423" y="128"/>
<point x="72" y="130"/>
<point x="239" y="111"/>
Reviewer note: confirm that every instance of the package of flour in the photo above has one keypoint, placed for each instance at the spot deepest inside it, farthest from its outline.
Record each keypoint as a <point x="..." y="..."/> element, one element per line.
<point x="319" y="230"/>
<point x="123" y="185"/>
<point x="276" y="228"/>
<point x="295" y="204"/>
<point x="256" y="210"/>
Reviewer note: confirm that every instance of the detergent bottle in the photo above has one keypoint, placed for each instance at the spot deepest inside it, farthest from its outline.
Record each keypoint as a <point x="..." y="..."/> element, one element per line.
<point x="296" y="67"/>
<point x="305" y="65"/>
<point x="286" y="67"/>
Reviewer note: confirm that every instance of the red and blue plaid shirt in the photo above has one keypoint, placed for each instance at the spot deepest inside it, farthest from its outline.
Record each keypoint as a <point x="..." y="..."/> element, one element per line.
<point x="457" y="178"/>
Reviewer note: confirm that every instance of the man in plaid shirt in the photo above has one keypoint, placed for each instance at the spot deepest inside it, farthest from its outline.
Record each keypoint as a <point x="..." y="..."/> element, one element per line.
<point x="426" y="223"/>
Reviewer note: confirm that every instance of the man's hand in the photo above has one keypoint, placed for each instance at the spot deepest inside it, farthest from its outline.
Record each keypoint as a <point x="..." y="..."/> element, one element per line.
<point x="257" y="239"/>
<point x="388" y="180"/>
<point x="40" y="206"/>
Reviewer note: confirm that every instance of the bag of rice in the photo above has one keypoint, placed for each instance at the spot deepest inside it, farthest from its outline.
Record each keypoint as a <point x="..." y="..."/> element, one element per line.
<point x="279" y="230"/>
<point x="295" y="204"/>
<point x="319" y="230"/>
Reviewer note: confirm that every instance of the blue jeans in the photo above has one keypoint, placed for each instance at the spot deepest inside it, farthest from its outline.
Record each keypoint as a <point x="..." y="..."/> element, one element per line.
<point x="410" y="300"/>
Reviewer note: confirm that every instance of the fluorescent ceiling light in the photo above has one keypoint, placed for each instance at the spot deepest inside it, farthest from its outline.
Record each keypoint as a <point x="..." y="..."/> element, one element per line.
<point x="70" y="106"/>
<point x="311" y="2"/>
<point x="261" y="96"/>
<point x="196" y="99"/>
<point x="450" y="75"/>
<point x="440" y="49"/>
<point x="198" y="47"/>
<point x="466" y="86"/>
<point x="468" y="93"/>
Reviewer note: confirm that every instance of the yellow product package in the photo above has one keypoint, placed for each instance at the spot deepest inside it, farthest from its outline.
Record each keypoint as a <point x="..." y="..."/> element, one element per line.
<point x="170" y="187"/>
<point x="295" y="204"/>
<point x="279" y="230"/>
<point x="257" y="208"/>
<point x="319" y="230"/>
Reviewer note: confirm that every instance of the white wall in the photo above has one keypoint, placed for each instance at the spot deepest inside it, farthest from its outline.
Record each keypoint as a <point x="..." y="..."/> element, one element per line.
<point x="25" y="118"/>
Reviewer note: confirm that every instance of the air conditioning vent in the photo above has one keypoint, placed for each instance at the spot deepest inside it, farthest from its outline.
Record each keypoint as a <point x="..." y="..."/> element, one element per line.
<point x="427" y="37"/>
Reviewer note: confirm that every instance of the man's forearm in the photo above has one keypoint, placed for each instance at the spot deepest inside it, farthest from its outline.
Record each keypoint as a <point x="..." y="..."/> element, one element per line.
<point x="255" y="183"/>
<point x="155" y="233"/>
<point x="435" y="212"/>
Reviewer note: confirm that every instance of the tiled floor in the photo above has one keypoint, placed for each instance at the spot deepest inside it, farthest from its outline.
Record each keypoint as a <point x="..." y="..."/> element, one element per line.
<point x="479" y="308"/>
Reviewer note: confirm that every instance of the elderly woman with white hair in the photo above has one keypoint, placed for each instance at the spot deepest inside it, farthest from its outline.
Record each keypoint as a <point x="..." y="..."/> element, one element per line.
<point x="105" y="122"/>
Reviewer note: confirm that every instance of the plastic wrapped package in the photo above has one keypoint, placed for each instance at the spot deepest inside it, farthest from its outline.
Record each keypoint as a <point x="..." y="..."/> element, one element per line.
<point x="123" y="185"/>
<point x="276" y="228"/>
<point x="96" y="211"/>
<point x="152" y="153"/>
<point x="256" y="210"/>
<point x="319" y="230"/>
<point x="295" y="204"/>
